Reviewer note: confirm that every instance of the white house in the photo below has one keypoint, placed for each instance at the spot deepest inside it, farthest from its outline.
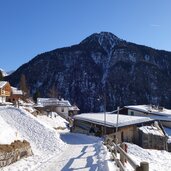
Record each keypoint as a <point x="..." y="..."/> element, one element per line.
<point x="60" y="106"/>
<point x="152" y="111"/>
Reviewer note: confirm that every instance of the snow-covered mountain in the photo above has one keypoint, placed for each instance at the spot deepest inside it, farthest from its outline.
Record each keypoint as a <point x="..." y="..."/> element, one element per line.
<point x="3" y="72"/>
<point x="102" y="63"/>
<point x="10" y="72"/>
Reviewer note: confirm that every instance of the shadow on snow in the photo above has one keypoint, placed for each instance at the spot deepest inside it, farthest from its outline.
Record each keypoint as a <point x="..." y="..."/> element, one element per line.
<point x="96" y="149"/>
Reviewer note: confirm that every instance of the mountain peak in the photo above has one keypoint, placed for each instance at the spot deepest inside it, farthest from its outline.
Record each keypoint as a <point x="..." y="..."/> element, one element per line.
<point x="108" y="35"/>
<point x="104" y="39"/>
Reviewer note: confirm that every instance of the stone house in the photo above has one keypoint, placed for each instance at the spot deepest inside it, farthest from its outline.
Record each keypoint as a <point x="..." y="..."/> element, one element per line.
<point x="152" y="137"/>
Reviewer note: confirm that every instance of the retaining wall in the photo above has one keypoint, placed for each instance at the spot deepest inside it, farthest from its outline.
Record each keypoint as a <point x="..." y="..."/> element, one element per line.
<point x="150" y="141"/>
<point x="14" y="152"/>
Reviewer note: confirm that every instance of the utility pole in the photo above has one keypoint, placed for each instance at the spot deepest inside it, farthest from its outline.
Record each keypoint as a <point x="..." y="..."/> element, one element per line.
<point x="117" y="124"/>
<point x="104" y="98"/>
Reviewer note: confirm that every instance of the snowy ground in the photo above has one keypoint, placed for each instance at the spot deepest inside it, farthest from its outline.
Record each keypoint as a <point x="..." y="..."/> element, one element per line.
<point x="53" y="122"/>
<point x="159" y="160"/>
<point x="7" y="134"/>
<point x="53" y="150"/>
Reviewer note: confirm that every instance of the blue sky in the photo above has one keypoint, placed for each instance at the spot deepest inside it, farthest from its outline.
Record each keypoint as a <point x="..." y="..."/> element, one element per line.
<point x="30" y="27"/>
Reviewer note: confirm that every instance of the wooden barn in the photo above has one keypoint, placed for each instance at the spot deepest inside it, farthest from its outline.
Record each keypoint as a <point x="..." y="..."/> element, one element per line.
<point x="15" y="95"/>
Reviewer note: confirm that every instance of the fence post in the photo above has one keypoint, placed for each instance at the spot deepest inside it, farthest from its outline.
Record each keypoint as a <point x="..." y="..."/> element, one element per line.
<point x="122" y="158"/>
<point x="117" y="162"/>
<point x="115" y="142"/>
<point x="115" y="150"/>
<point x="144" y="166"/>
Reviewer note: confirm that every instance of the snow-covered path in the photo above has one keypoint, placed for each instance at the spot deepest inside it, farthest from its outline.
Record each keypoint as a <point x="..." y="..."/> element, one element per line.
<point x="84" y="153"/>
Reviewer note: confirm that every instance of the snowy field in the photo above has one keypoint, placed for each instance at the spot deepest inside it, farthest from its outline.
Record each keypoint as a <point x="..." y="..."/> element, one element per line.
<point x="53" y="149"/>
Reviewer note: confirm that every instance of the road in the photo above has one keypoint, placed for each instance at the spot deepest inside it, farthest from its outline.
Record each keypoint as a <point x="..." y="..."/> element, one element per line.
<point x="83" y="153"/>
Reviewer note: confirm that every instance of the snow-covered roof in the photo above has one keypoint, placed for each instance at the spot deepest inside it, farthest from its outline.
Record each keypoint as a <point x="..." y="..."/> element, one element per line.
<point x="74" y="108"/>
<point x="161" y="118"/>
<point x="38" y="106"/>
<point x="151" y="130"/>
<point x="16" y="91"/>
<point x="151" y="109"/>
<point x="53" y="102"/>
<point x="111" y="119"/>
<point x="2" y="83"/>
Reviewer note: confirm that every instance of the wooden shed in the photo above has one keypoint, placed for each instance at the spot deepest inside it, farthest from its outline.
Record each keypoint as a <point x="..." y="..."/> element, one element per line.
<point x="15" y="95"/>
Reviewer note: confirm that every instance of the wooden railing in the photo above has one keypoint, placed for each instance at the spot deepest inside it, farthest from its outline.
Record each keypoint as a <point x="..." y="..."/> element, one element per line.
<point x="124" y="157"/>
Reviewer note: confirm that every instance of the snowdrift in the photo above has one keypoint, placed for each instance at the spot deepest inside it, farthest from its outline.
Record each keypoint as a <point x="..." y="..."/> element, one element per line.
<point x="45" y="142"/>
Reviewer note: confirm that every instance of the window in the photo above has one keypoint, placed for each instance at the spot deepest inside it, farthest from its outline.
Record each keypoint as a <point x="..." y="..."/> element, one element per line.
<point x="70" y="113"/>
<point x="62" y="109"/>
<point x="3" y="92"/>
<point x="132" y="113"/>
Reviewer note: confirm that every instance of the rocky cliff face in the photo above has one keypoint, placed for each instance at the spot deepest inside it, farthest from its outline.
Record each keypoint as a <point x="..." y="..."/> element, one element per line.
<point x="101" y="68"/>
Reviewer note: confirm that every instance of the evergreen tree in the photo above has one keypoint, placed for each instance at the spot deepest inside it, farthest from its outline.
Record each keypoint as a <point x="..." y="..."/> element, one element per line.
<point x="36" y="95"/>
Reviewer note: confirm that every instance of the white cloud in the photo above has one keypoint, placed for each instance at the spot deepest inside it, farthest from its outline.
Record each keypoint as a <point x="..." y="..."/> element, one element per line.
<point x="154" y="25"/>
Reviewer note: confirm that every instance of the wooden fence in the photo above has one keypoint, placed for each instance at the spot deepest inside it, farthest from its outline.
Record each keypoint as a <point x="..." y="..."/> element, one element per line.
<point x="124" y="157"/>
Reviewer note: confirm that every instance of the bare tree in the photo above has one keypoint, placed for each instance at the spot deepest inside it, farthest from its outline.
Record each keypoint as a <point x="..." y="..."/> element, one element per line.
<point x="23" y="86"/>
<point x="53" y="92"/>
